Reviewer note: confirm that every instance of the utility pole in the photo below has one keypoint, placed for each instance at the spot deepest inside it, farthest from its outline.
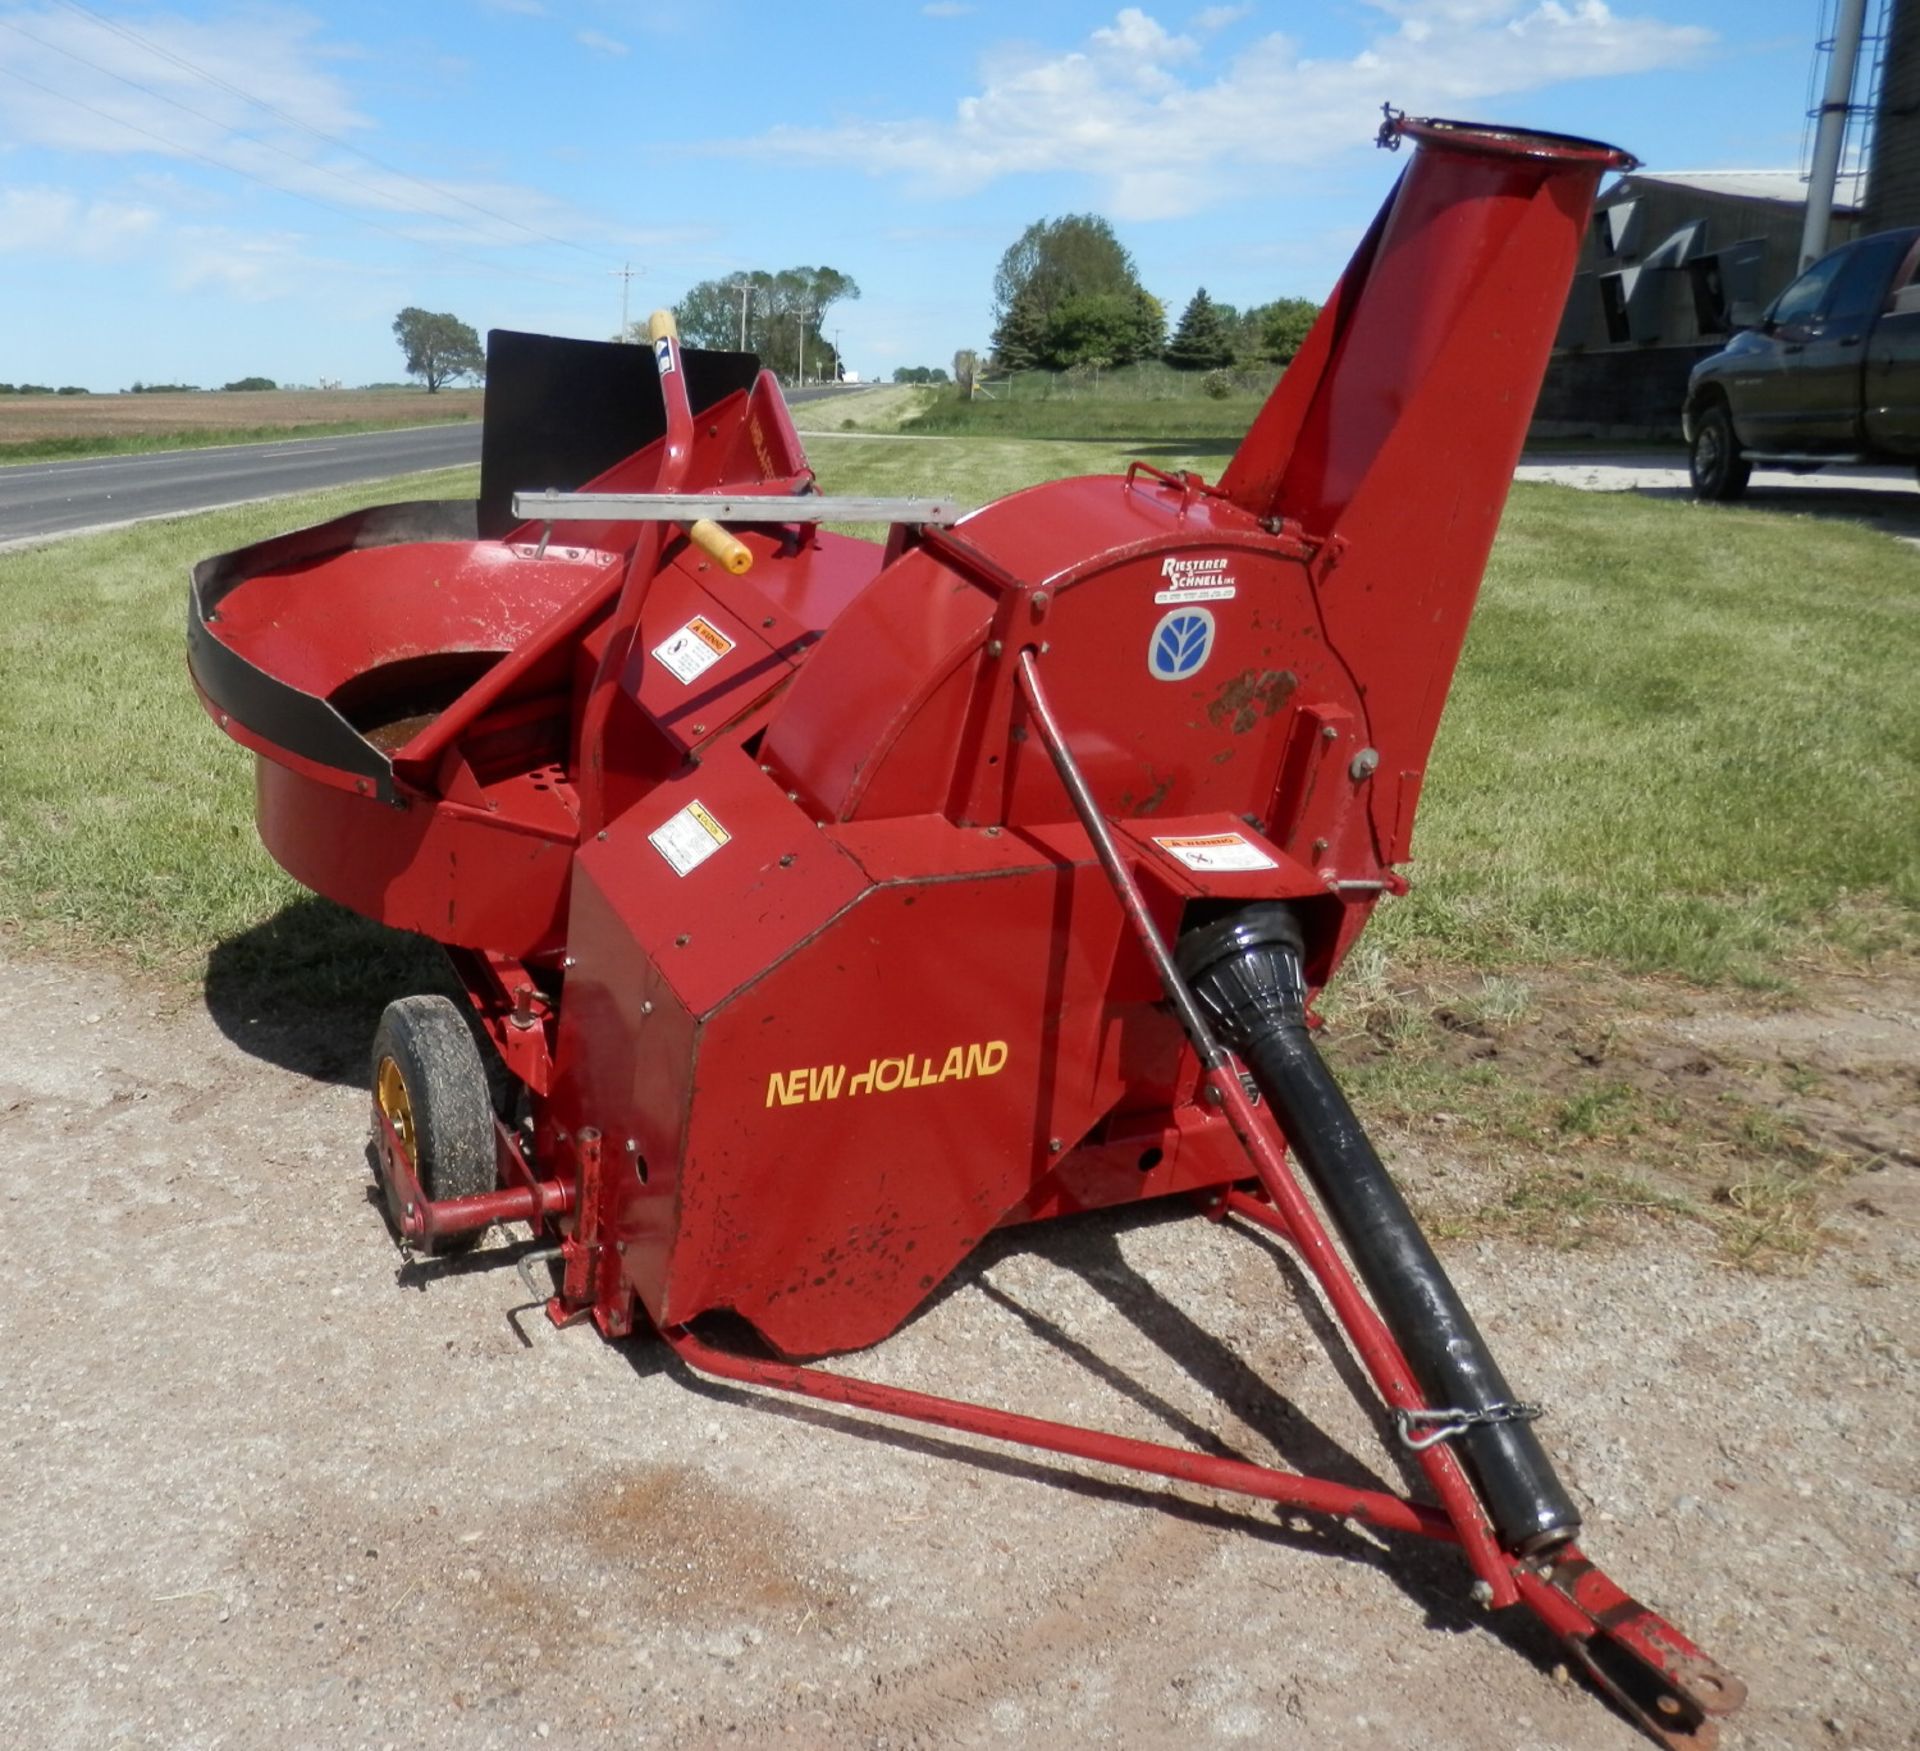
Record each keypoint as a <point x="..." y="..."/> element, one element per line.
<point x="623" y="273"/>
<point x="1836" y="106"/>
<point x="744" y="287"/>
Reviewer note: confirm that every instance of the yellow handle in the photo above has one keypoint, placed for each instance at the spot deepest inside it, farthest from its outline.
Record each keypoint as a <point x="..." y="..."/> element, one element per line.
<point x="709" y="537"/>
<point x="661" y="326"/>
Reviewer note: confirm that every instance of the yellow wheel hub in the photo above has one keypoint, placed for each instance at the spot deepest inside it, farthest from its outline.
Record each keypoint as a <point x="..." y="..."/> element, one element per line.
<point x="390" y="1090"/>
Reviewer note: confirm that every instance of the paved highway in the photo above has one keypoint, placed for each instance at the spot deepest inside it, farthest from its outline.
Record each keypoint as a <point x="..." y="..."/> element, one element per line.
<point x="43" y="499"/>
<point x="38" y="499"/>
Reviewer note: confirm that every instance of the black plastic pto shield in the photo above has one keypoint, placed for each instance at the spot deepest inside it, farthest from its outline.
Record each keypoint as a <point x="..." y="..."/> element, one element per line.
<point x="1247" y="970"/>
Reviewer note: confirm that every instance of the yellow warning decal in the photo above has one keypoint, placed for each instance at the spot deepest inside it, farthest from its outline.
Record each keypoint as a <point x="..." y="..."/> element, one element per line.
<point x="811" y="1082"/>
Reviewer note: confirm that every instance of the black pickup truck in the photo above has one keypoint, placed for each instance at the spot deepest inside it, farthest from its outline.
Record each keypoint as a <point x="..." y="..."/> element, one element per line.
<point x="1832" y="374"/>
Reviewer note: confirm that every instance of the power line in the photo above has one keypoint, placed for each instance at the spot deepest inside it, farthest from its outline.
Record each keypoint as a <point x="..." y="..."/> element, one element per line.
<point x="266" y="182"/>
<point x="261" y="103"/>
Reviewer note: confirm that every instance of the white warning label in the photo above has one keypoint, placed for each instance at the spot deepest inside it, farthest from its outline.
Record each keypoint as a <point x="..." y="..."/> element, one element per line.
<point x="694" y="649"/>
<point x="1216" y="853"/>
<point x="688" y="839"/>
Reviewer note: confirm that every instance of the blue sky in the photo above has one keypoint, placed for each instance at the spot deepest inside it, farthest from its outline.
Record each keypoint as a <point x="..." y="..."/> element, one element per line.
<point x="199" y="193"/>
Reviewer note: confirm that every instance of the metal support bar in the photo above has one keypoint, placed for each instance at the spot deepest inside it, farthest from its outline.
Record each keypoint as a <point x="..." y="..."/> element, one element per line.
<point x="683" y="507"/>
<point x="1311" y="1495"/>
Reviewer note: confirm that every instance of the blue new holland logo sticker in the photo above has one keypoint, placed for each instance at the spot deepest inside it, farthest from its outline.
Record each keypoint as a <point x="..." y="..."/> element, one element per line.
<point x="1180" y="645"/>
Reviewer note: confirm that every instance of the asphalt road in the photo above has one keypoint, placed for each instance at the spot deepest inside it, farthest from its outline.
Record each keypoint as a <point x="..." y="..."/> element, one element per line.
<point x="43" y="499"/>
<point x="38" y="499"/>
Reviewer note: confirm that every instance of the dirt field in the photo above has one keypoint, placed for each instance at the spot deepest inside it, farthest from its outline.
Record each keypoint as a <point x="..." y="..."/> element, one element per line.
<point x="32" y="418"/>
<point x="267" y="1485"/>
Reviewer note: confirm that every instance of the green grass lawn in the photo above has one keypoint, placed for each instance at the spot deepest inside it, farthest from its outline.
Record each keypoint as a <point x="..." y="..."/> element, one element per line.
<point x="1682" y="740"/>
<point x="1219" y="424"/>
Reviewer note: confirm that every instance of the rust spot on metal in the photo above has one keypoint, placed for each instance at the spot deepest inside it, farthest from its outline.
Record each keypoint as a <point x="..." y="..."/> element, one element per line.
<point x="1244" y="699"/>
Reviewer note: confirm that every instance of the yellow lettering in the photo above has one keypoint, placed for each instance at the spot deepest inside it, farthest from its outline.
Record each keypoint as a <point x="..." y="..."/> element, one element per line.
<point x="816" y="1082"/>
<point x="988" y="1059"/>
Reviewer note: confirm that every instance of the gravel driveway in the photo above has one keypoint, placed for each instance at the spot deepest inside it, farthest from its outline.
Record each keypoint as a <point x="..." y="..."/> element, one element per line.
<point x="268" y="1487"/>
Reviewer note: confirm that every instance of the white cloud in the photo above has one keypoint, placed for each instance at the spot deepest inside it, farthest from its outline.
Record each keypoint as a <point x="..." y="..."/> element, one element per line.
<point x="57" y="222"/>
<point x="1219" y="17"/>
<point x="1128" y="109"/>
<point x="169" y="97"/>
<point x="85" y="72"/>
<point x="611" y="48"/>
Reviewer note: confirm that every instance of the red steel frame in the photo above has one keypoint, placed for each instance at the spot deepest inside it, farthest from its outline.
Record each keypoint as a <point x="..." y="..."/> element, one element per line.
<point x="1657" y="1676"/>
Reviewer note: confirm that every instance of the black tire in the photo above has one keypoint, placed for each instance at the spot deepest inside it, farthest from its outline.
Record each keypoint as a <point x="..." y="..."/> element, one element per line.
<point x="435" y="1095"/>
<point x="1718" y="469"/>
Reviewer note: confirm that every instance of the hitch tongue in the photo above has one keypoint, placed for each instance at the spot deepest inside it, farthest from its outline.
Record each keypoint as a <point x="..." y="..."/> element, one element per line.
<point x="1672" y="1691"/>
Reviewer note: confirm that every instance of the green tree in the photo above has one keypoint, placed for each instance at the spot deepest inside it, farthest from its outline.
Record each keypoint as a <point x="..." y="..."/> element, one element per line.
<point x="1096" y="325"/>
<point x="1283" y="325"/>
<point x="1203" y="340"/>
<point x="249" y="384"/>
<point x="1020" y="340"/>
<point x="1048" y="292"/>
<point x="785" y="315"/>
<point x="438" y="347"/>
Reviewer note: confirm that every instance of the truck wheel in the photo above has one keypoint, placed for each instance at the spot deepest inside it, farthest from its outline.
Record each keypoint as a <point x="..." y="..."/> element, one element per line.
<point x="430" y="1086"/>
<point x="1719" y="470"/>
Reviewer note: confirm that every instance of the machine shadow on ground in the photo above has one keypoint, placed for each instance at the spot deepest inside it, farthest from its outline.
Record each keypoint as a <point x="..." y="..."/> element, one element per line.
<point x="303" y="990"/>
<point x="1432" y="1576"/>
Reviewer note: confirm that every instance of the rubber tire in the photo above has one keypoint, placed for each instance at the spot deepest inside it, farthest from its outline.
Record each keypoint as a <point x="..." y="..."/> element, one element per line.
<point x="454" y="1156"/>
<point x="1720" y="473"/>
